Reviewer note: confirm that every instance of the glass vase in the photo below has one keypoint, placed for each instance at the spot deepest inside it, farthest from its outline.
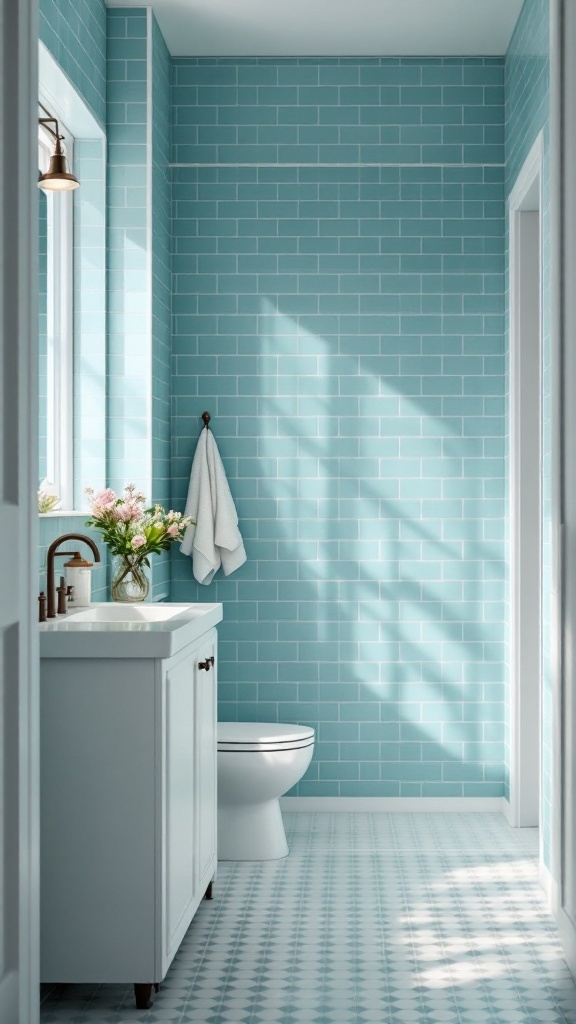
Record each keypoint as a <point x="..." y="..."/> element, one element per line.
<point x="129" y="580"/>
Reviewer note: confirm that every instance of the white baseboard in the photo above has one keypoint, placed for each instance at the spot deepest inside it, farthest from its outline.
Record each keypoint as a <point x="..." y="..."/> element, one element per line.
<point x="507" y="810"/>
<point x="403" y="804"/>
<point x="564" y="924"/>
<point x="550" y="887"/>
<point x="567" y="938"/>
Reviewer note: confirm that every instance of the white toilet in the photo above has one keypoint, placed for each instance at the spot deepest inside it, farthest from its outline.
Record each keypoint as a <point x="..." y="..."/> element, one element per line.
<point x="257" y="763"/>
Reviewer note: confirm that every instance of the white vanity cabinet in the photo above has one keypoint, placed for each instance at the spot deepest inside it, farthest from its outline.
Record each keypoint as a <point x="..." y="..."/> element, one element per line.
<point x="128" y="811"/>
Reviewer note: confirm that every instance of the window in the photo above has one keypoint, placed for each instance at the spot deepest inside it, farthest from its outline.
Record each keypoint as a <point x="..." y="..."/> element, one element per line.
<point x="56" y="334"/>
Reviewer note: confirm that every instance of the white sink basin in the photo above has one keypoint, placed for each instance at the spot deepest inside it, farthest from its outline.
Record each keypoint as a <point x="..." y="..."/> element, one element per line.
<point x="126" y="630"/>
<point x="127" y="613"/>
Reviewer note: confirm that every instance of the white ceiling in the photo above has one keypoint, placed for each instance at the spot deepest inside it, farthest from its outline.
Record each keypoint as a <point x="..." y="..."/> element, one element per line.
<point x="380" y="28"/>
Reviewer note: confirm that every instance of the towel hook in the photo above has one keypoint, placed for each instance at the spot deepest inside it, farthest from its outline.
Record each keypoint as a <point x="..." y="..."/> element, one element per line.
<point x="206" y="417"/>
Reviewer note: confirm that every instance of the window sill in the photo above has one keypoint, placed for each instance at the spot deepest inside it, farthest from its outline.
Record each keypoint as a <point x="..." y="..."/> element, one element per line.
<point x="61" y="514"/>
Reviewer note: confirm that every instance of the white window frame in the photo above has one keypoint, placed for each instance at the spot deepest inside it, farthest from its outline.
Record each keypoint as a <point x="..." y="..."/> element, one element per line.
<point x="525" y="263"/>
<point x="59" y="328"/>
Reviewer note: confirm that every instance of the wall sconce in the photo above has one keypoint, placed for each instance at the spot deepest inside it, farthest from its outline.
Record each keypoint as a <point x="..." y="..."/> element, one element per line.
<point x="57" y="178"/>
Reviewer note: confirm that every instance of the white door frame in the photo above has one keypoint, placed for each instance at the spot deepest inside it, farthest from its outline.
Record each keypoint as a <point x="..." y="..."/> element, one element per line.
<point x="19" y="692"/>
<point x="525" y="235"/>
<point x="550" y="874"/>
<point x="563" y="253"/>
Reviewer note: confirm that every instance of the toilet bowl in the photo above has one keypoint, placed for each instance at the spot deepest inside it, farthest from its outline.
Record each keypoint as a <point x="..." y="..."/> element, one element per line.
<point x="257" y="763"/>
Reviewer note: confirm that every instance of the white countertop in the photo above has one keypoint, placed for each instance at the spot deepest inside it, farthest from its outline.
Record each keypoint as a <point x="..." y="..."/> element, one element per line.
<point x="115" y="630"/>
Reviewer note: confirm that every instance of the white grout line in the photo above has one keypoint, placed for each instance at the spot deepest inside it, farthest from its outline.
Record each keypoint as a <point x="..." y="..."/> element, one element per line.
<point x="331" y="165"/>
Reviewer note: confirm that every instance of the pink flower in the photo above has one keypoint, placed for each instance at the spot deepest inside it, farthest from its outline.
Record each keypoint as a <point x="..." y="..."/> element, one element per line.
<point x="138" y="541"/>
<point x="102" y="501"/>
<point x="132" y="495"/>
<point x="173" y="530"/>
<point x="129" y="512"/>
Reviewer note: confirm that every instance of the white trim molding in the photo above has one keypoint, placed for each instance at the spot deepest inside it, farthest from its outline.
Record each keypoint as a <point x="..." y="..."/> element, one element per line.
<point x="531" y="168"/>
<point x="525" y="339"/>
<point x="147" y="363"/>
<point x="556" y="388"/>
<point x="20" y="800"/>
<point x="394" y="804"/>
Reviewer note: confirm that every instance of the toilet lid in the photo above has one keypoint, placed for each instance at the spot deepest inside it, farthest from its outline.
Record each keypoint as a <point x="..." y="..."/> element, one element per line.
<point x="246" y="736"/>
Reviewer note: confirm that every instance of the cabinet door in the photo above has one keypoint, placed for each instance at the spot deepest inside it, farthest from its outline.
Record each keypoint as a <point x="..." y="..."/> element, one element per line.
<point x="180" y="878"/>
<point x="206" y="758"/>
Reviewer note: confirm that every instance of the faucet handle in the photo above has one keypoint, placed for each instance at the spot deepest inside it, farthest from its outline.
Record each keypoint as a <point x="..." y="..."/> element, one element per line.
<point x="42" y="607"/>
<point x="62" y="599"/>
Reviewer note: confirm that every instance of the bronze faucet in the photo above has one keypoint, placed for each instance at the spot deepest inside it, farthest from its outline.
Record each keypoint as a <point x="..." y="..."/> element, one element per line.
<point x="52" y="554"/>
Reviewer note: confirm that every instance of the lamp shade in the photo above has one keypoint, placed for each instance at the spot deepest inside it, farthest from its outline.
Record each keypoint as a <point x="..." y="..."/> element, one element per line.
<point x="58" y="178"/>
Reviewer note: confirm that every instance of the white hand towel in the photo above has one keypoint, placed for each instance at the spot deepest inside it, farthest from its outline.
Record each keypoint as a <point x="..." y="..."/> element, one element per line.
<point x="215" y="540"/>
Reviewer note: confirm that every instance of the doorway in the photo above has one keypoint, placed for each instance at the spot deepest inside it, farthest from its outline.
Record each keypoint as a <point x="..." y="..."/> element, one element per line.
<point x="525" y="234"/>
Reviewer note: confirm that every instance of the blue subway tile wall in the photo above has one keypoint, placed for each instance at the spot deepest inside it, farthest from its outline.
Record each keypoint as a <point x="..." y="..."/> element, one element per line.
<point x="75" y="33"/>
<point x="528" y="114"/>
<point x="139" y="271"/>
<point x="339" y="111"/>
<point x="128" y="274"/>
<point x="344" y="326"/>
<point x="161" y="290"/>
<point x="527" y="84"/>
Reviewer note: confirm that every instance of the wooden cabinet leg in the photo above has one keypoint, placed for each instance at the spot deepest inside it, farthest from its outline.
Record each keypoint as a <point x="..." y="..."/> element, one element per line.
<point x="208" y="893"/>
<point x="143" y="996"/>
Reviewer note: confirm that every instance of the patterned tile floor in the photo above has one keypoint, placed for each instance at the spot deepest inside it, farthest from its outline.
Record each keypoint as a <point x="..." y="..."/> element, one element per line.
<point x="373" y="918"/>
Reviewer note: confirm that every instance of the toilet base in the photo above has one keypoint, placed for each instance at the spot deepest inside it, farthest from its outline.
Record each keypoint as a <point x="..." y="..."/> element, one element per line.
<point x="251" y="832"/>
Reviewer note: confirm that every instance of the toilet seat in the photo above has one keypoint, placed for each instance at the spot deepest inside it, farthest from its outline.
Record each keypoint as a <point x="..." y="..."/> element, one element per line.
<point x="247" y="737"/>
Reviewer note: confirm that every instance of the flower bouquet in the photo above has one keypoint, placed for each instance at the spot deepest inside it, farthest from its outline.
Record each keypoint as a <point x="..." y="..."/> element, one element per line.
<point x="133" y="533"/>
<point x="48" y="500"/>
